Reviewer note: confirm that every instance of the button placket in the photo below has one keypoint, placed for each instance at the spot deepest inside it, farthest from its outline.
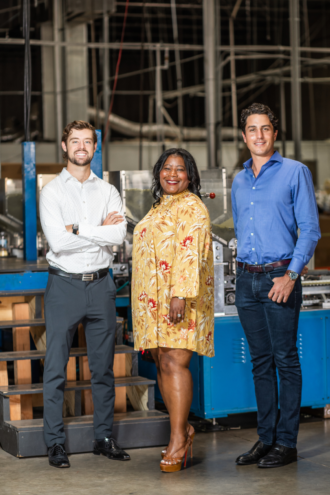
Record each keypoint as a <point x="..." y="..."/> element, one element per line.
<point x="254" y="257"/>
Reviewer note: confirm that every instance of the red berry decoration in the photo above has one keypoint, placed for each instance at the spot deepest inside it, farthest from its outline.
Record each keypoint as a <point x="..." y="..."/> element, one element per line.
<point x="212" y="195"/>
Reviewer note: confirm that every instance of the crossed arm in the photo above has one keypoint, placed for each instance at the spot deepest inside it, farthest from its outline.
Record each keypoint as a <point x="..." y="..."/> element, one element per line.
<point x="59" y="235"/>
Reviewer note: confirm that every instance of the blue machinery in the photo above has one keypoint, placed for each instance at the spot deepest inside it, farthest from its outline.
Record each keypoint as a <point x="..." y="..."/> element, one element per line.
<point x="222" y="385"/>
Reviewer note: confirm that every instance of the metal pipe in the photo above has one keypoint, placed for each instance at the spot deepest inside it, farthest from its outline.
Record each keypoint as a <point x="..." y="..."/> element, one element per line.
<point x="283" y="116"/>
<point x="177" y="62"/>
<point x="150" y="130"/>
<point x="310" y="85"/>
<point x="218" y="80"/>
<point x="159" y="102"/>
<point x="295" y="75"/>
<point x="58" y="82"/>
<point x="170" y="46"/>
<point x="106" y="89"/>
<point x="94" y="66"/>
<point x="210" y="81"/>
<point x="233" y="72"/>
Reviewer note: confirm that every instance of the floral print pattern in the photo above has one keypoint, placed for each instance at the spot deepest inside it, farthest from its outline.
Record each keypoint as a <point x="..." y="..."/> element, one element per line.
<point x="172" y="256"/>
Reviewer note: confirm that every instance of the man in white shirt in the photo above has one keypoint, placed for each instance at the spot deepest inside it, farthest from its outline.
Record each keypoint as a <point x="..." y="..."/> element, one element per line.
<point x="82" y="218"/>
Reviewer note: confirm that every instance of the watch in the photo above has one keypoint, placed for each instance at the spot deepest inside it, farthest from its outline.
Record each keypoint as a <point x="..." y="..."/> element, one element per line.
<point x="75" y="228"/>
<point x="293" y="275"/>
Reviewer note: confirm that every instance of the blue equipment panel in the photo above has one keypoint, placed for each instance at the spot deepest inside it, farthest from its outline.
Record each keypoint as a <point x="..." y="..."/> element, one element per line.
<point x="29" y="200"/>
<point x="224" y="384"/>
<point x="96" y="163"/>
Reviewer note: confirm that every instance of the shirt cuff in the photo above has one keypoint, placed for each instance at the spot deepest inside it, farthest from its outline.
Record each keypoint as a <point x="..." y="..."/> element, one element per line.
<point x="85" y="230"/>
<point x="296" y="265"/>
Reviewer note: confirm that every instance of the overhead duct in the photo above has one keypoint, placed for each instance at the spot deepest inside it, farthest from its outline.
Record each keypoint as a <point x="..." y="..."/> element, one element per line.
<point x="149" y="131"/>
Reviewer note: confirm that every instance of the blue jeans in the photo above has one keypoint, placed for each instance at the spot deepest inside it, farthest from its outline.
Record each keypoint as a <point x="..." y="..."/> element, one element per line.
<point x="271" y="332"/>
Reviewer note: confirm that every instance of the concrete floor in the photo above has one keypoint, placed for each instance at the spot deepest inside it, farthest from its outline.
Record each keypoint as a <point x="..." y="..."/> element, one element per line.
<point x="213" y="470"/>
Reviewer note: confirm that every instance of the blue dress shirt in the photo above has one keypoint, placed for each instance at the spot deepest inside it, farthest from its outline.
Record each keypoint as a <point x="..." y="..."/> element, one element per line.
<point x="269" y="209"/>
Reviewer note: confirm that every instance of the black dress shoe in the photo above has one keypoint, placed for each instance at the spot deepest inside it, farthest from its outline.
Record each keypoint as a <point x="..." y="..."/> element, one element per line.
<point x="57" y="456"/>
<point x="258" y="451"/>
<point x="110" y="448"/>
<point x="278" y="456"/>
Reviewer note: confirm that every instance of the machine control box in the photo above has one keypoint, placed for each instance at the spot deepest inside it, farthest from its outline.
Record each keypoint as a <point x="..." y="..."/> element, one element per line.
<point x="120" y="270"/>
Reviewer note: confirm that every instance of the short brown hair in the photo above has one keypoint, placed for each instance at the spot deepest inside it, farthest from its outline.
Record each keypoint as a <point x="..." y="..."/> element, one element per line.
<point x="79" y="125"/>
<point x="259" y="109"/>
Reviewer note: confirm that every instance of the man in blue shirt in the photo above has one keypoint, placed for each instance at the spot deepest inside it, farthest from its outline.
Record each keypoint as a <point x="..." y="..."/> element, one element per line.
<point x="272" y="198"/>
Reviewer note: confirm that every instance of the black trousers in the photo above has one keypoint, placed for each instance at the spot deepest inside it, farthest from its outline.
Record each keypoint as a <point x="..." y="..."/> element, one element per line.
<point x="69" y="302"/>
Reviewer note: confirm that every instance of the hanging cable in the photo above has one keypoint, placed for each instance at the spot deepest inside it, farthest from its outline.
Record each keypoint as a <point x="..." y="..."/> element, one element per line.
<point x="117" y="71"/>
<point x="27" y="68"/>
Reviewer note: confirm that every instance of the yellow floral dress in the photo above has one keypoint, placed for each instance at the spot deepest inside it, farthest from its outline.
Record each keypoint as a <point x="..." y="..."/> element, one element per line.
<point x="172" y="256"/>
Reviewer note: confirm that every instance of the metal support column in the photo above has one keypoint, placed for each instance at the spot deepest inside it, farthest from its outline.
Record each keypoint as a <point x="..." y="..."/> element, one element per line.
<point x="218" y="84"/>
<point x="96" y="163"/>
<point x="29" y="200"/>
<point x="177" y="66"/>
<point x="210" y="81"/>
<point x="283" y="116"/>
<point x="296" y="113"/>
<point x="58" y="80"/>
<point x="233" y="73"/>
<point x="159" y="101"/>
<point x="106" y="89"/>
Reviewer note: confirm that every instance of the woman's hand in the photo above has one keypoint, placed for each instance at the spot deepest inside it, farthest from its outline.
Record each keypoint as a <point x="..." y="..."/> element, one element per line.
<point x="177" y="307"/>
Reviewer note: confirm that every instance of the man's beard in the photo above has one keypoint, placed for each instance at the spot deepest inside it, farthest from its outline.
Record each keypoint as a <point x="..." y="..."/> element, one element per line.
<point x="87" y="160"/>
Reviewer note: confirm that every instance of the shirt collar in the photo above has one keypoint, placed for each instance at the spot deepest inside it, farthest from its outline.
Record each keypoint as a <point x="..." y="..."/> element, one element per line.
<point x="276" y="157"/>
<point x="65" y="175"/>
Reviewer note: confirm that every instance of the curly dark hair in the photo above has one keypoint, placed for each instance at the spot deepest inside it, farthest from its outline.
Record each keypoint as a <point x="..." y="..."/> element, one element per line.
<point x="259" y="109"/>
<point x="191" y="167"/>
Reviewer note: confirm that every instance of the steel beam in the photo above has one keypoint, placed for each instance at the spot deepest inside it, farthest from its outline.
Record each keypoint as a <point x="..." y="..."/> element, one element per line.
<point x="210" y="80"/>
<point x="106" y="89"/>
<point x="296" y="113"/>
<point x="58" y="79"/>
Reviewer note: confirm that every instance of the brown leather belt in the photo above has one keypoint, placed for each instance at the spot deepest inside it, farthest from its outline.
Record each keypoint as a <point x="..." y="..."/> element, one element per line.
<point x="268" y="267"/>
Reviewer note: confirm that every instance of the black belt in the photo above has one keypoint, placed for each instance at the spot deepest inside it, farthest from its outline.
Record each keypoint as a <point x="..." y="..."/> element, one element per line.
<point x="268" y="267"/>
<point x="85" y="277"/>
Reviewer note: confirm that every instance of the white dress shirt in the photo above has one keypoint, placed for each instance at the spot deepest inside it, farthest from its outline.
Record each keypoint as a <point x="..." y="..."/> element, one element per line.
<point x="65" y="201"/>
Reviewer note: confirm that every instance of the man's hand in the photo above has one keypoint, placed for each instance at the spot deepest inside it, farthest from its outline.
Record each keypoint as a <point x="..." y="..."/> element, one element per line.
<point x="69" y="228"/>
<point x="282" y="288"/>
<point x="113" y="218"/>
<point x="177" y="307"/>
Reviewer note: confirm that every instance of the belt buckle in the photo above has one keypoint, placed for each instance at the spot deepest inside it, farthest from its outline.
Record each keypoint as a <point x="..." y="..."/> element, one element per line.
<point x="88" y="277"/>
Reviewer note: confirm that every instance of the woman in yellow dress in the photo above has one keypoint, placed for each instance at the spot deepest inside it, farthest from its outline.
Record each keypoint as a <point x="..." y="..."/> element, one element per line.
<point x="172" y="290"/>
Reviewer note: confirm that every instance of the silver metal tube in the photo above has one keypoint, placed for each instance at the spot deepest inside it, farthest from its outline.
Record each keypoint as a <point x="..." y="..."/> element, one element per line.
<point x="233" y="72"/>
<point x="58" y="82"/>
<point x="177" y="63"/>
<point x="224" y="188"/>
<point x="283" y="117"/>
<point x="295" y="75"/>
<point x="106" y="90"/>
<point x="218" y="87"/>
<point x="170" y="46"/>
<point x="233" y="82"/>
<point x="150" y="130"/>
<point x="210" y="81"/>
<point x="159" y="101"/>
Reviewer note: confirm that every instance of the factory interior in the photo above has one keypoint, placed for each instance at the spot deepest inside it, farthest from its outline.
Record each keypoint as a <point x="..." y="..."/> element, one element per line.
<point x="150" y="76"/>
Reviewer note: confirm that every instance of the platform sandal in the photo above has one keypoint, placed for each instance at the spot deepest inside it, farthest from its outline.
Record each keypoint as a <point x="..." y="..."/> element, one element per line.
<point x="175" y="463"/>
<point x="191" y="435"/>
